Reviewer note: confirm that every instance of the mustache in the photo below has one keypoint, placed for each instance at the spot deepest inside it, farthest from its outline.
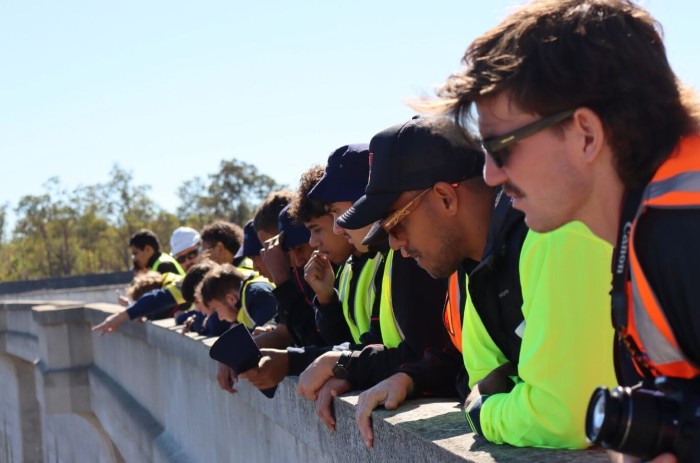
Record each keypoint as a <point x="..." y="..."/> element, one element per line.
<point x="512" y="190"/>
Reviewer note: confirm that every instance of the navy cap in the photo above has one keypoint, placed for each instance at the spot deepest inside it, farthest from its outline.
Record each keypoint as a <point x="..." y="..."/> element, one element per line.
<point x="251" y="244"/>
<point x="294" y="234"/>
<point x="345" y="177"/>
<point x="412" y="156"/>
<point x="376" y="236"/>
<point x="237" y="349"/>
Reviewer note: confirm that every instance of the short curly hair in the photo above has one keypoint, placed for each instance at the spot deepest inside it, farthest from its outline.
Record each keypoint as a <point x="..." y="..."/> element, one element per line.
<point x="302" y="208"/>
<point x="143" y="283"/>
<point x="228" y="233"/>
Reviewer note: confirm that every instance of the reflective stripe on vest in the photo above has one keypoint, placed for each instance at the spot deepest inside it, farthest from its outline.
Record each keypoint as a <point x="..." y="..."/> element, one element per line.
<point x="676" y="185"/>
<point x="452" y="314"/>
<point x="364" y="296"/>
<point x="171" y="283"/>
<point x="167" y="258"/>
<point x="243" y="314"/>
<point x="246" y="265"/>
<point x="391" y="332"/>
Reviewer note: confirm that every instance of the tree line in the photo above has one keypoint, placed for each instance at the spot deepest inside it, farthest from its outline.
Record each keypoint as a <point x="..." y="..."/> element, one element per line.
<point x="62" y="233"/>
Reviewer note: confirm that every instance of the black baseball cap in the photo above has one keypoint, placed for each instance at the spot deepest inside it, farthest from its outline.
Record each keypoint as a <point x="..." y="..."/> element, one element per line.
<point x="251" y="244"/>
<point x="345" y="177"/>
<point x="413" y="155"/>
<point x="294" y="234"/>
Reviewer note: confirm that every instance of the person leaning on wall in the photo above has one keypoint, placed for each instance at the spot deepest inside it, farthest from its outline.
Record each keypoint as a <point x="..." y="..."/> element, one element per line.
<point x="583" y="120"/>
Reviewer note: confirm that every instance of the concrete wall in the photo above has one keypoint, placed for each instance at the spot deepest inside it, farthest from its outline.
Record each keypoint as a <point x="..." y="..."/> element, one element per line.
<point x="89" y="294"/>
<point x="148" y="394"/>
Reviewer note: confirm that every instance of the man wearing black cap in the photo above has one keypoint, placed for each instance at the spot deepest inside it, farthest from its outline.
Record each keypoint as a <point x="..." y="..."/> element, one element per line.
<point x="332" y="257"/>
<point x="294" y="296"/>
<point x="251" y="249"/>
<point x="406" y="308"/>
<point x="344" y="303"/>
<point x="536" y="331"/>
<point x="331" y="252"/>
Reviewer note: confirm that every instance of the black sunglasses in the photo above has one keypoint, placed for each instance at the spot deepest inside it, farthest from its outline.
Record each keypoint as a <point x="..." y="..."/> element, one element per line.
<point x="494" y="146"/>
<point x="185" y="257"/>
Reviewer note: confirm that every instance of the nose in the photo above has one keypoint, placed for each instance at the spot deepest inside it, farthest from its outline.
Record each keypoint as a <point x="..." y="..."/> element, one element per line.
<point x="396" y="241"/>
<point x="493" y="175"/>
<point x="314" y="241"/>
<point x="337" y="229"/>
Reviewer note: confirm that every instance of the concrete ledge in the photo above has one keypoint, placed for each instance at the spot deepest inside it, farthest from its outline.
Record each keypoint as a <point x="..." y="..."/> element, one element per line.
<point x="151" y="395"/>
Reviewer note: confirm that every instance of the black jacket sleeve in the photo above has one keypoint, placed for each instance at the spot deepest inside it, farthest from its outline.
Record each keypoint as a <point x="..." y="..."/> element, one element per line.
<point x="418" y="301"/>
<point x="439" y="373"/>
<point x="297" y="314"/>
<point x="155" y="304"/>
<point x="331" y="322"/>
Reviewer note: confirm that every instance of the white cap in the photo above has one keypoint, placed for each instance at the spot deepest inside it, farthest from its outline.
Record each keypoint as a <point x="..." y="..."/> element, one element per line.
<point x="183" y="238"/>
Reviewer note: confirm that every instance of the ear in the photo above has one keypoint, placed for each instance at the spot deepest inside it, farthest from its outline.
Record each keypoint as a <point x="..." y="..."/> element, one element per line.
<point x="232" y="297"/>
<point x="591" y="133"/>
<point x="447" y="195"/>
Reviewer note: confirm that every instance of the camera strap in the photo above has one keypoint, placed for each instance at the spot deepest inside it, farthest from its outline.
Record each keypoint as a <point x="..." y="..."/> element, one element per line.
<point x="620" y="262"/>
<point x="619" y="296"/>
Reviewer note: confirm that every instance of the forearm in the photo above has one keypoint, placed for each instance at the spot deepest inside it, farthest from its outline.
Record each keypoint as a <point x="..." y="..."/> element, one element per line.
<point x="376" y="362"/>
<point x="301" y="357"/>
<point x="150" y="303"/>
<point x="436" y="373"/>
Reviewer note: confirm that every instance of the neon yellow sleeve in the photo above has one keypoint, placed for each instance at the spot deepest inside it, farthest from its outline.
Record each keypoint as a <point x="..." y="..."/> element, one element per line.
<point x="567" y="343"/>
<point x="480" y="353"/>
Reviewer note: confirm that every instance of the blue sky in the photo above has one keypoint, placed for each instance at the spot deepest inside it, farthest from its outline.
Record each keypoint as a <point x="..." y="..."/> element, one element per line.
<point x="168" y="89"/>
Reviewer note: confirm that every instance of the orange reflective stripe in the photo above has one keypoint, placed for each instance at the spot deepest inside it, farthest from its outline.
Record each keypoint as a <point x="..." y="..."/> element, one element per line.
<point x="676" y="184"/>
<point x="648" y="299"/>
<point x="452" y="313"/>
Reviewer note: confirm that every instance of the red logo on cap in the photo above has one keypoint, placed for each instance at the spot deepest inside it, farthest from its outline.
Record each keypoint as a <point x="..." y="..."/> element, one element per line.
<point x="371" y="155"/>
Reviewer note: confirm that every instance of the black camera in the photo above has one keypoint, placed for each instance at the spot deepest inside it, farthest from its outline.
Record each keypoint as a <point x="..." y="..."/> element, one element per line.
<point x="644" y="422"/>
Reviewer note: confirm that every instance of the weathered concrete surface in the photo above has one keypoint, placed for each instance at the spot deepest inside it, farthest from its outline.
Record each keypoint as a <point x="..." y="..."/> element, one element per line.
<point x="147" y="393"/>
<point x="59" y="284"/>
<point x="84" y="295"/>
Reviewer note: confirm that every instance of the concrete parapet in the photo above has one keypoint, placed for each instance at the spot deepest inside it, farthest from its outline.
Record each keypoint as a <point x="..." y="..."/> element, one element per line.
<point x="147" y="393"/>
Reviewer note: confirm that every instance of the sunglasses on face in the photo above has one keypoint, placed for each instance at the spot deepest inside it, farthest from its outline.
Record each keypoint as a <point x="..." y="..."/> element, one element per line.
<point x="185" y="257"/>
<point x="496" y="147"/>
<point x="397" y="216"/>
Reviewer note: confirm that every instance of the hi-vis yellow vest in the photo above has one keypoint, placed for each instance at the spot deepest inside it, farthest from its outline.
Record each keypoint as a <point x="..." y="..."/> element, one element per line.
<point x="364" y="296"/>
<point x="171" y="283"/>
<point x="391" y="332"/>
<point x="243" y="314"/>
<point x="167" y="258"/>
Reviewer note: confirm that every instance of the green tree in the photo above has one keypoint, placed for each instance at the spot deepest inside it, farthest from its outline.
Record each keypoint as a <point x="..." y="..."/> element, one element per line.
<point x="232" y="194"/>
<point x="45" y="229"/>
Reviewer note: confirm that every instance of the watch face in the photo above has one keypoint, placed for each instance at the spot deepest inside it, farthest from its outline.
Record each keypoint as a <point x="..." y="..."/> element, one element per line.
<point x="340" y="372"/>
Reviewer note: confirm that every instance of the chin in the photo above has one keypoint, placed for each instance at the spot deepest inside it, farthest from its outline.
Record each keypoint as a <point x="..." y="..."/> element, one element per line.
<point x="433" y="272"/>
<point x="541" y="225"/>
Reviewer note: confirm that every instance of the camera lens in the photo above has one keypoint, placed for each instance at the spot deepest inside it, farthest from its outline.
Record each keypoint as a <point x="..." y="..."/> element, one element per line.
<point x="639" y="422"/>
<point x="595" y="417"/>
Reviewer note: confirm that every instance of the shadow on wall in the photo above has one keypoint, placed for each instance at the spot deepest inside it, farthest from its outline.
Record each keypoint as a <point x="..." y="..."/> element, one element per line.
<point x="147" y="393"/>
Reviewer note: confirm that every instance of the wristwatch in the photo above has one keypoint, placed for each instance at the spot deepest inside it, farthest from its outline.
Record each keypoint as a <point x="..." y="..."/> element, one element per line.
<point x="340" y="370"/>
